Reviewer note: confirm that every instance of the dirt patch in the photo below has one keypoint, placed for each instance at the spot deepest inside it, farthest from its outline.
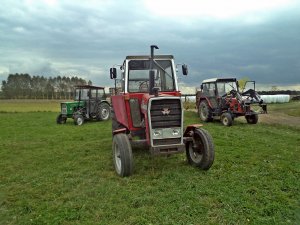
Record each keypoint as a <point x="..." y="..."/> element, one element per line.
<point x="274" y="118"/>
<point x="279" y="118"/>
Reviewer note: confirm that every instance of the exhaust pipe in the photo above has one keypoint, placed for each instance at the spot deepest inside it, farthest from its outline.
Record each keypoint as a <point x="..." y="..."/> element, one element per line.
<point x="152" y="72"/>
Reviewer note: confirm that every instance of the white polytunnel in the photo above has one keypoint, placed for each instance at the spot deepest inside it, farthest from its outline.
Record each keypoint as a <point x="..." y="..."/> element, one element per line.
<point x="275" y="98"/>
<point x="266" y="98"/>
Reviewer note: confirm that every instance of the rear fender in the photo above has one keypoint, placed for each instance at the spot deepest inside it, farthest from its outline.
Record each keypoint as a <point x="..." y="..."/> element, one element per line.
<point x="104" y="101"/>
<point x="205" y="99"/>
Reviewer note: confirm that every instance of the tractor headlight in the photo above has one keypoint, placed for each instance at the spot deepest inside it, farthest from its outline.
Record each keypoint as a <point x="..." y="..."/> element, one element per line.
<point x="157" y="133"/>
<point x="176" y="132"/>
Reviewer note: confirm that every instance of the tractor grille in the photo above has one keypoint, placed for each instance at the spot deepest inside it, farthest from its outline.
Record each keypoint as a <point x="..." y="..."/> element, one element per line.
<point x="166" y="113"/>
<point x="63" y="109"/>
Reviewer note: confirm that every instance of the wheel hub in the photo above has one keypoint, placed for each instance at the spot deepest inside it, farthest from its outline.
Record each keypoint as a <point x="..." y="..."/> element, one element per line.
<point x="117" y="158"/>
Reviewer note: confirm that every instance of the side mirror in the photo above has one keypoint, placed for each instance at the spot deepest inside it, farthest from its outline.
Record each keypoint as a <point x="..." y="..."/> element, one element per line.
<point x="184" y="69"/>
<point x="201" y="86"/>
<point x="113" y="73"/>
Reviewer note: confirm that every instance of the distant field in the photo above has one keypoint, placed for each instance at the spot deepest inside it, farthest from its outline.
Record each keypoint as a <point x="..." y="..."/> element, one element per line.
<point x="30" y="105"/>
<point x="292" y="108"/>
<point x="63" y="174"/>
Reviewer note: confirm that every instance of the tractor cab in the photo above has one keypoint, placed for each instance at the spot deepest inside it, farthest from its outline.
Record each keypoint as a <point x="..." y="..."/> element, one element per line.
<point x="147" y="112"/>
<point x="214" y="89"/>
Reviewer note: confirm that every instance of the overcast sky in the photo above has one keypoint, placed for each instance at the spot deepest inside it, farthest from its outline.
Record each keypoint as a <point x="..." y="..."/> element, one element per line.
<point x="258" y="39"/>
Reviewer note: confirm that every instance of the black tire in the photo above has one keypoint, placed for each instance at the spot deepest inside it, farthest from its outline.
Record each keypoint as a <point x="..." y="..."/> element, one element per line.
<point x="252" y="119"/>
<point x="122" y="155"/>
<point x="200" y="152"/>
<point x="104" y="111"/>
<point x="60" y="119"/>
<point x="226" y="119"/>
<point x="204" y="111"/>
<point x="78" y="120"/>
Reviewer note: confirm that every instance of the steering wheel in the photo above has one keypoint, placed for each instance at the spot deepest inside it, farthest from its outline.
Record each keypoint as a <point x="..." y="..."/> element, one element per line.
<point x="223" y="96"/>
<point x="144" y="86"/>
<point x="232" y="92"/>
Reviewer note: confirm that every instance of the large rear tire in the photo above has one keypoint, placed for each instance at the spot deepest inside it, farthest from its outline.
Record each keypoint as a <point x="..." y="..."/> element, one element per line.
<point x="122" y="155"/>
<point x="200" y="152"/>
<point x="204" y="111"/>
<point x="104" y="111"/>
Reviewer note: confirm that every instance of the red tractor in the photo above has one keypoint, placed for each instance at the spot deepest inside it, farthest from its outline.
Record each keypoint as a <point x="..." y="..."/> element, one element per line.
<point x="147" y="112"/>
<point x="220" y="98"/>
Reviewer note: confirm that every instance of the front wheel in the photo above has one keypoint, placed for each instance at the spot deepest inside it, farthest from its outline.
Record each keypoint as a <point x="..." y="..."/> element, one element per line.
<point x="60" y="119"/>
<point x="78" y="120"/>
<point x="122" y="155"/>
<point x="252" y="119"/>
<point x="226" y="119"/>
<point x="200" y="152"/>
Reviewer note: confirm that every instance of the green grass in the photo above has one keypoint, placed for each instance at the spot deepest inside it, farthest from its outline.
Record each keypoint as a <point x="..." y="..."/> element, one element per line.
<point x="292" y="108"/>
<point x="63" y="174"/>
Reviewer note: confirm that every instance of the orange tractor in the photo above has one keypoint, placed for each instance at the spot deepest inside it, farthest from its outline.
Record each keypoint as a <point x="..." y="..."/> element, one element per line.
<point x="148" y="112"/>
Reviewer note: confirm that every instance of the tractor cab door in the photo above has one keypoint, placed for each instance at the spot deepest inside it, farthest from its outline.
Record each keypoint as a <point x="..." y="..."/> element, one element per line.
<point x="224" y="88"/>
<point x="93" y="101"/>
<point x="209" y="90"/>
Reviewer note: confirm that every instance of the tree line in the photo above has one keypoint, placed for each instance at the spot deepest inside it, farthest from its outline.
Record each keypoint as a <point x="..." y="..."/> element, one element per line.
<point x="24" y="86"/>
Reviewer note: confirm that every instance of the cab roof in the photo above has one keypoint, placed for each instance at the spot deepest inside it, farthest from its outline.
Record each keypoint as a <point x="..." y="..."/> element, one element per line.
<point x="148" y="57"/>
<point x="219" y="80"/>
<point x="88" y="87"/>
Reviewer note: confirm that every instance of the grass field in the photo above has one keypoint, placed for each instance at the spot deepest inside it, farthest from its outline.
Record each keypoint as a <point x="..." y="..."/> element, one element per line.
<point x="291" y="108"/>
<point x="63" y="174"/>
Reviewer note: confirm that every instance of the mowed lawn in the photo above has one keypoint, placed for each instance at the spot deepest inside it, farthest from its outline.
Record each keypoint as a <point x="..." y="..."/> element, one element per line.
<point x="63" y="174"/>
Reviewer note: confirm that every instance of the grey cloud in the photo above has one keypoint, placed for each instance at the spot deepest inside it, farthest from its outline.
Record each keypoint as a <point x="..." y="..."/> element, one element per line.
<point x="87" y="39"/>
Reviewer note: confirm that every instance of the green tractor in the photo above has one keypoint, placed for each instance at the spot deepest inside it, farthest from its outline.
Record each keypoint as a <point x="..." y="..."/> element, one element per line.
<point x="89" y="104"/>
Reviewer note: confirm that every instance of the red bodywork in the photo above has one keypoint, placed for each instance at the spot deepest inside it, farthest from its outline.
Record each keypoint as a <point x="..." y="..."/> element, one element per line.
<point x="123" y="113"/>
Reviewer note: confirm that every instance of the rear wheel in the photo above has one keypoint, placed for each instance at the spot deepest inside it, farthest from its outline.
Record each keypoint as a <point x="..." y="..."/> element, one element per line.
<point x="252" y="119"/>
<point x="60" y="119"/>
<point x="226" y="119"/>
<point x="78" y="120"/>
<point x="104" y="111"/>
<point x="122" y="155"/>
<point x="204" y="111"/>
<point x="200" y="152"/>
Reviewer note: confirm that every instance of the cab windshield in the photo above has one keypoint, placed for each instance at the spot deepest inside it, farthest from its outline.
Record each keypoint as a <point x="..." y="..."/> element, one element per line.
<point x="225" y="87"/>
<point x="138" y="75"/>
<point x="83" y="93"/>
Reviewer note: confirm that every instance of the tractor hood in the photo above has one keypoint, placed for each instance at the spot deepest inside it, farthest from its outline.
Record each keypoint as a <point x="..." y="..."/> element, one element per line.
<point x="146" y="97"/>
<point x="73" y="103"/>
<point x="67" y="108"/>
